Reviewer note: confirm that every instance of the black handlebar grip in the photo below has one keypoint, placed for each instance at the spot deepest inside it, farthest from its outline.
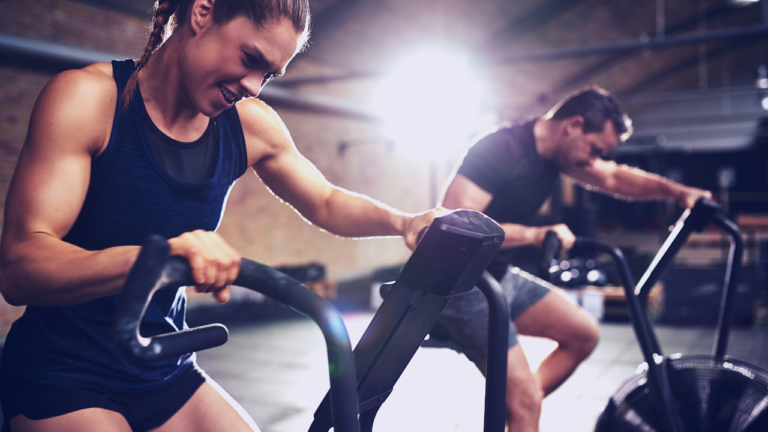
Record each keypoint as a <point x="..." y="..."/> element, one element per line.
<point x="152" y="271"/>
<point x="549" y="248"/>
<point x="421" y="234"/>
<point x="702" y="213"/>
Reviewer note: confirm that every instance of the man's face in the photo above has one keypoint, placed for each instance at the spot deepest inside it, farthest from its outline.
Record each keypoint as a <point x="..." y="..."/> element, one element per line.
<point x="578" y="150"/>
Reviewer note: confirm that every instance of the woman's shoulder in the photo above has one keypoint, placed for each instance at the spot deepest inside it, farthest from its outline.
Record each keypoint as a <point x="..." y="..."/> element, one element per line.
<point x="94" y="78"/>
<point x="257" y="116"/>
<point x="264" y="131"/>
<point x="87" y="88"/>
<point x="80" y="101"/>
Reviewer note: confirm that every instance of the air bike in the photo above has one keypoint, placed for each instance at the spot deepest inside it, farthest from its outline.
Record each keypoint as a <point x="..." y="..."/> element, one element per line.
<point x="450" y="259"/>
<point x="697" y="393"/>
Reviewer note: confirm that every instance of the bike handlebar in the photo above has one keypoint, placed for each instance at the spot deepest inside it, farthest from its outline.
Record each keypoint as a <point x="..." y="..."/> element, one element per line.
<point x="549" y="248"/>
<point x="155" y="270"/>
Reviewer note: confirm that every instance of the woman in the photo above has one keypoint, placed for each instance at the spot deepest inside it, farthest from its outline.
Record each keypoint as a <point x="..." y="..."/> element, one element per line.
<point x="118" y="151"/>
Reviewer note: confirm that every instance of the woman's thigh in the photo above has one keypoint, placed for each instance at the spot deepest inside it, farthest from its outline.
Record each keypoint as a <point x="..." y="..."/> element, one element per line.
<point x="85" y="420"/>
<point x="210" y="409"/>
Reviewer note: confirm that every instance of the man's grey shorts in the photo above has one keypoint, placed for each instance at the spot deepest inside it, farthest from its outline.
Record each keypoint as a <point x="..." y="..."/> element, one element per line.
<point x="463" y="325"/>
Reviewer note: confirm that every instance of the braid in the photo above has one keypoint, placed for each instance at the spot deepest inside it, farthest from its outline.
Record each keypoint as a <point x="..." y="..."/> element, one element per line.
<point x="164" y="11"/>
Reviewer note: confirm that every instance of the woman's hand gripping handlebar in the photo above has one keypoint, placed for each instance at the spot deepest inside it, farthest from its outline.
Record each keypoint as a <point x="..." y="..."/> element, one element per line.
<point x="155" y="270"/>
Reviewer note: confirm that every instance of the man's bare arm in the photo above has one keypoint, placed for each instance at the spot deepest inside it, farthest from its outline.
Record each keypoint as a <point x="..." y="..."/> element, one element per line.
<point x="633" y="183"/>
<point x="463" y="193"/>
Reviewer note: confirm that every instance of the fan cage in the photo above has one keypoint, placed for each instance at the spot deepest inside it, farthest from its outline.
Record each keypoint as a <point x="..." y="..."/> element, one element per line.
<point x="710" y="395"/>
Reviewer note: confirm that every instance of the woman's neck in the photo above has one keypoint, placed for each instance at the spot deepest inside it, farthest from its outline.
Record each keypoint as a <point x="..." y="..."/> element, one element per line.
<point x="164" y="99"/>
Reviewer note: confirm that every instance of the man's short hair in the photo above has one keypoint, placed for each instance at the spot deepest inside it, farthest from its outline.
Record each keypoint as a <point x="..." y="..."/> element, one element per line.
<point x="596" y="106"/>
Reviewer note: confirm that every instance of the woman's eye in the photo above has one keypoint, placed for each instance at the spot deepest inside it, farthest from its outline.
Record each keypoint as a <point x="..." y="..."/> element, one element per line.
<point x="250" y="60"/>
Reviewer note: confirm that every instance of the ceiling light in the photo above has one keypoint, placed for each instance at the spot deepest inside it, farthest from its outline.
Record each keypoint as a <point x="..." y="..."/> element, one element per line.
<point x="430" y="103"/>
<point x="762" y="77"/>
<point x="762" y="85"/>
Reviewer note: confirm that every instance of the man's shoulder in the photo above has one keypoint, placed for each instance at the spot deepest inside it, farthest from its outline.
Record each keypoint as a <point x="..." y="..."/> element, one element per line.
<point x="507" y="140"/>
<point x="509" y="131"/>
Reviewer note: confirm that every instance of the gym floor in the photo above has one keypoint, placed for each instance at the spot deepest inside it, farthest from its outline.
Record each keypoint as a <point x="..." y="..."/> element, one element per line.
<point x="277" y="370"/>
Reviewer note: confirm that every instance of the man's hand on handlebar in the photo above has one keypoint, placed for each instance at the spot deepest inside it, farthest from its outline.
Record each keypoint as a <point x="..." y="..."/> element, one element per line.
<point x="687" y="196"/>
<point x="564" y="234"/>
<point x="215" y="264"/>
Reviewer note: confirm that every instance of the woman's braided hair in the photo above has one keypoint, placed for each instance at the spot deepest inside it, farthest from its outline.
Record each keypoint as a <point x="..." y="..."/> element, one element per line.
<point x="169" y="13"/>
<point x="164" y="9"/>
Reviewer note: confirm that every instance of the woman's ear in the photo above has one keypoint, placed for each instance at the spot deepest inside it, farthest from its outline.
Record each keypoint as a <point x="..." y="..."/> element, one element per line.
<point x="201" y="15"/>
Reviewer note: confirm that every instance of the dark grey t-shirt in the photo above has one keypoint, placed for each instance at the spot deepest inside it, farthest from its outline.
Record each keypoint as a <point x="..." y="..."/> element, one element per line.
<point x="505" y="164"/>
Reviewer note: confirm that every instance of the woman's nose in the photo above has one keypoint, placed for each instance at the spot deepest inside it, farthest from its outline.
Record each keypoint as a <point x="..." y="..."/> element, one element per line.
<point x="252" y="84"/>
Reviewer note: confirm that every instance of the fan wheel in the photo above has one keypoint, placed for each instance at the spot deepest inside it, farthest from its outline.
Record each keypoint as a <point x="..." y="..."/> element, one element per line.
<point x="710" y="395"/>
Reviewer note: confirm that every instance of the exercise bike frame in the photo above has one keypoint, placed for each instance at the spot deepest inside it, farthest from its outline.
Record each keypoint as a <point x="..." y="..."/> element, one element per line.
<point x="450" y="259"/>
<point x="697" y="218"/>
<point x="155" y="270"/>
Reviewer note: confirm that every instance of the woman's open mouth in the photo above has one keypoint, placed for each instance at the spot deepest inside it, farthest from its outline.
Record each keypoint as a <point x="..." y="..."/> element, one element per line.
<point x="229" y="97"/>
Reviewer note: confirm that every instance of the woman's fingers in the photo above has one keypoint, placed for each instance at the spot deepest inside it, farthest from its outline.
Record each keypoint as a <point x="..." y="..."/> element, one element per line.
<point x="222" y="296"/>
<point x="215" y="264"/>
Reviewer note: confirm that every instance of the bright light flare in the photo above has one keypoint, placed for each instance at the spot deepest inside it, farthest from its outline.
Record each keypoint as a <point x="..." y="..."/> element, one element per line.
<point x="430" y="103"/>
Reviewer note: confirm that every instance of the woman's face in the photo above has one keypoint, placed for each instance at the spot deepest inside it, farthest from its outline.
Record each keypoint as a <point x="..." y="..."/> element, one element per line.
<point x="223" y="64"/>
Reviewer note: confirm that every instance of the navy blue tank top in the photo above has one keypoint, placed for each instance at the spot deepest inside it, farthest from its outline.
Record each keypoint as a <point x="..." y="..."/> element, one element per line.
<point x="129" y="197"/>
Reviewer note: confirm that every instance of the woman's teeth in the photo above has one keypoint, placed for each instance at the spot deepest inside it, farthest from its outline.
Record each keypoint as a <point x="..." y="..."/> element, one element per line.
<point x="228" y="96"/>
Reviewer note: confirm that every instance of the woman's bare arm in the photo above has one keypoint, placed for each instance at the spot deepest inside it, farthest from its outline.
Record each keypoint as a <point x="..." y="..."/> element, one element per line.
<point x="293" y="178"/>
<point x="70" y="125"/>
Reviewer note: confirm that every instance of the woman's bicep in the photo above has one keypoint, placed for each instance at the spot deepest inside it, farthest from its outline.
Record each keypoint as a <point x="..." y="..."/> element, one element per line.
<point x="52" y="174"/>
<point x="295" y="180"/>
<point x="47" y="192"/>
<point x="274" y="157"/>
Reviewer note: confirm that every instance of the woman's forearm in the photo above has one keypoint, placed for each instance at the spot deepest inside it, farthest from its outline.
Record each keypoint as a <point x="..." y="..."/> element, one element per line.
<point x="42" y="270"/>
<point x="349" y="214"/>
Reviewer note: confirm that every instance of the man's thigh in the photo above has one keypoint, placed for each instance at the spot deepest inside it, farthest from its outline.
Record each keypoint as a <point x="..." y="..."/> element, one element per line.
<point x="463" y="327"/>
<point x="555" y="317"/>
<point x="463" y="324"/>
<point x="523" y="290"/>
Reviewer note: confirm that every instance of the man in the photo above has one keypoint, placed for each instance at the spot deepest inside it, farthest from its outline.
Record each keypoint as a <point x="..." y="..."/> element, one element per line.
<point x="508" y="174"/>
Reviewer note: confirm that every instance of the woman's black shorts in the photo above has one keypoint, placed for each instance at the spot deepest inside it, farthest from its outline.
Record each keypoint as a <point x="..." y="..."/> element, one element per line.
<point x="144" y="410"/>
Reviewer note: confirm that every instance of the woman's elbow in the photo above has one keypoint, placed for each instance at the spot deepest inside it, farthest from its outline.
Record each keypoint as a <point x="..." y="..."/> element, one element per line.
<point x="10" y="291"/>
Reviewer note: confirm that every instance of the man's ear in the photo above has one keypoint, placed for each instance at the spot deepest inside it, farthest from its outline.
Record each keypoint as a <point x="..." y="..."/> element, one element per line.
<point x="201" y="15"/>
<point x="573" y="126"/>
